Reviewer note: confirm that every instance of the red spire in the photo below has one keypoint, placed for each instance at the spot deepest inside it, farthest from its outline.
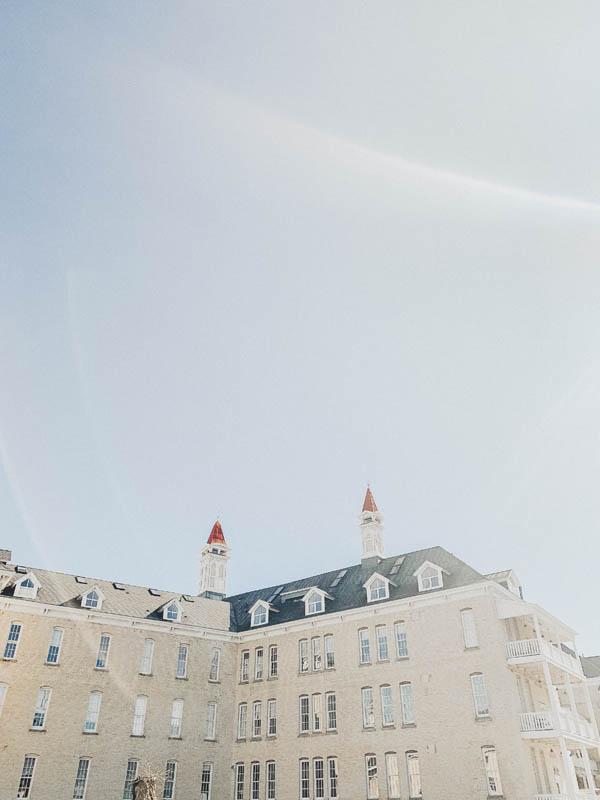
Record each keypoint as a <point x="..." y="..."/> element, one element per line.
<point x="216" y="535"/>
<point x="369" y="504"/>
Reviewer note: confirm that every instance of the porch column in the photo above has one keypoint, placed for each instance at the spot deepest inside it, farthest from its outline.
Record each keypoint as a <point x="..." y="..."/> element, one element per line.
<point x="572" y="703"/>
<point x="568" y="767"/>
<point x="588" y="769"/>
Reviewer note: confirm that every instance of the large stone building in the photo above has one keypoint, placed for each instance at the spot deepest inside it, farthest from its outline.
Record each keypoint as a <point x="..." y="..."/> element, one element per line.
<point x="411" y="676"/>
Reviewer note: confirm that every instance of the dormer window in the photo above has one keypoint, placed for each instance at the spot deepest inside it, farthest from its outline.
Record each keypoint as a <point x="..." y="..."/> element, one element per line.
<point x="260" y="615"/>
<point x="172" y="612"/>
<point x="378" y="588"/>
<point x="92" y="599"/>
<point x="27" y="587"/>
<point x="315" y="603"/>
<point x="429" y="576"/>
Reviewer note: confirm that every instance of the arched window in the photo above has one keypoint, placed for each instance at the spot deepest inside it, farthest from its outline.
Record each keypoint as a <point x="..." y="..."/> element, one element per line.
<point x="172" y="611"/>
<point x="314" y="603"/>
<point x="259" y="615"/>
<point x="91" y="599"/>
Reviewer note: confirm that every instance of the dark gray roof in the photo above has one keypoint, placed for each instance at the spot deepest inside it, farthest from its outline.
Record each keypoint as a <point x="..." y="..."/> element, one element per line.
<point x="591" y="666"/>
<point x="349" y="592"/>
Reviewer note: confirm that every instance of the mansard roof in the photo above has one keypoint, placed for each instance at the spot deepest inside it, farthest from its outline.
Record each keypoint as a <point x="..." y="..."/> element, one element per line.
<point x="349" y="592"/>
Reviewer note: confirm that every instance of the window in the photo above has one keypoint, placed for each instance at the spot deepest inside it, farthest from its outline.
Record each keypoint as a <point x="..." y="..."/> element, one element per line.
<point x="317" y="713"/>
<point x="255" y="780"/>
<point x="315" y="603"/>
<point x="372" y="779"/>
<point x="406" y="701"/>
<point x="10" y="648"/>
<point x="382" y="644"/>
<point x="378" y="589"/>
<point x="244" y="666"/>
<point x="206" y="781"/>
<point x="130" y="776"/>
<point x="492" y="772"/>
<point x="365" y="647"/>
<point x="139" y="716"/>
<point x="393" y="775"/>
<point x="242" y="720"/>
<point x="331" y="708"/>
<point x="401" y="643"/>
<point x="469" y="629"/>
<point x="81" y="779"/>
<point x="239" y="782"/>
<point x="26" y="776"/>
<point x="103" y="648"/>
<point x="271" y="717"/>
<point x="304" y="779"/>
<point x="429" y="576"/>
<point x="329" y="654"/>
<point x="414" y="774"/>
<point x="273" y="661"/>
<point x="3" y="690"/>
<point x="368" y="709"/>
<point x="211" y="720"/>
<point x="304" y="714"/>
<point x="54" y="647"/>
<point x="333" y="777"/>
<point x="92" y="599"/>
<point x="387" y="705"/>
<point x="319" y="775"/>
<point x="480" y="699"/>
<point x="270" y="780"/>
<point x="93" y="713"/>
<point x="27" y="587"/>
<point x="256" y="718"/>
<point x="259" y="616"/>
<point x="215" y="662"/>
<point x="176" y="718"/>
<point x="182" y="659"/>
<point x="147" y="653"/>
<point x="172" y="612"/>
<point x="303" y="652"/>
<point x="169" y="784"/>
<point x="41" y="708"/>
<point x="317" y="662"/>
<point x="258" y="664"/>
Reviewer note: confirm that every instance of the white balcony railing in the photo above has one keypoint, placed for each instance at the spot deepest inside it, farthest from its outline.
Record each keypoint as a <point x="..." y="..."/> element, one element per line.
<point x="531" y="648"/>
<point x="536" y="721"/>
<point x="573" y="723"/>
<point x="551" y="797"/>
<point x="569" y="723"/>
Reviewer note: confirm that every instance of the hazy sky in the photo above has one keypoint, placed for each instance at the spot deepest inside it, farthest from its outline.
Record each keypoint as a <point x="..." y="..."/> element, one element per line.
<point x="255" y="254"/>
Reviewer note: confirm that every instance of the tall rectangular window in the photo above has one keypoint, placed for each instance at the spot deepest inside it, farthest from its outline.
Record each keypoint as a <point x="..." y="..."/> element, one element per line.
<point x="316" y="653"/>
<point x="492" y="773"/>
<point x="130" y="776"/>
<point x="331" y="708"/>
<point x="480" y="698"/>
<point x="303" y="655"/>
<point x="372" y="777"/>
<point x="401" y="642"/>
<point x="333" y="777"/>
<point x="270" y="780"/>
<point x="255" y="780"/>
<point x="387" y="705"/>
<point x="10" y="648"/>
<point x="176" y="719"/>
<point x="393" y="775"/>
<point x="147" y="653"/>
<point x="304" y="714"/>
<point x="26" y="776"/>
<point x="256" y="718"/>
<point x="239" y="781"/>
<point x="244" y="666"/>
<point x="93" y="713"/>
<point x="242" y="720"/>
<point x="304" y="779"/>
<point x="169" y="784"/>
<point x="273" y="661"/>
<point x="206" y="781"/>
<point x="54" y="647"/>
<point x="41" y="707"/>
<point x="414" y="774"/>
<point x="103" y="648"/>
<point x="317" y="712"/>
<point x="406" y="701"/>
<point x="382" y="643"/>
<point x="319" y="775"/>
<point x="139" y="716"/>
<point x="258" y="663"/>
<point x="211" y="720"/>
<point x="3" y="691"/>
<point x="81" y="779"/>
<point x="329" y="652"/>
<point x="215" y="662"/>
<point x="271" y="717"/>
<point x="182" y="659"/>
<point x="469" y="629"/>
<point x="367" y="706"/>
<point x="365" y="647"/>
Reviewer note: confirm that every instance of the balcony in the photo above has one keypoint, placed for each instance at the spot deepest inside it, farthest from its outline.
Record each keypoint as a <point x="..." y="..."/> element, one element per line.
<point x="541" y="725"/>
<point x="528" y="650"/>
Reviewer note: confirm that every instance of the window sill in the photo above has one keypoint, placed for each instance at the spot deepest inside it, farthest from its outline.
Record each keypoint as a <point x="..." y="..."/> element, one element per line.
<point x="214" y="680"/>
<point x="333" y="730"/>
<point x="210" y="739"/>
<point x="6" y="658"/>
<point x="244" y="682"/>
<point x="239" y="741"/>
<point x="90" y="733"/>
<point x="146" y="674"/>
<point x="476" y="647"/>
<point x="37" y="730"/>
<point x="100" y="669"/>
<point x="137" y="735"/>
<point x="329" y="669"/>
<point x="409" y="724"/>
<point x="256" y="739"/>
<point x="181" y="678"/>
<point x="370" y="728"/>
<point x="390" y="727"/>
<point x="257" y="680"/>
<point x="402" y="658"/>
<point x="51" y="663"/>
<point x="365" y="664"/>
<point x="485" y="718"/>
<point x="175" y="737"/>
<point x="271" y="735"/>
<point x="273" y="678"/>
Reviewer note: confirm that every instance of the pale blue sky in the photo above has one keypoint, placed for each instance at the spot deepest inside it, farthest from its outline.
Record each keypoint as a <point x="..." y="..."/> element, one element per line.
<point x="256" y="254"/>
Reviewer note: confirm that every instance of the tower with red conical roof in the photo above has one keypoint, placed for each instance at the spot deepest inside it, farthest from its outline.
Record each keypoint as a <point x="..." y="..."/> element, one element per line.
<point x="213" y="565"/>
<point x="371" y="528"/>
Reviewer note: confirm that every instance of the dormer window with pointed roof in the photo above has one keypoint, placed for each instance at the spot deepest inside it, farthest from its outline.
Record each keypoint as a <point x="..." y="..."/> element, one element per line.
<point x="27" y="587"/>
<point x="378" y="587"/>
<point x="92" y="598"/>
<point x="430" y="576"/>
<point x="260" y="615"/>
<point x="172" y="611"/>
<point x="315" y="603"/>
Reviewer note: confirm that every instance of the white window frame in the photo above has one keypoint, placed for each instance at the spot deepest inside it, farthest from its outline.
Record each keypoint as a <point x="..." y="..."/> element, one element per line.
<point x="259" y="663"/>
<point x="377" y="587"/>
<point x="176" y="719"/>
<point x="372" y="773"/>
<point x="147" y="657"/>
<point x="92" y="716"/>
<point x="401" y="639"/>
<point x="386" y="696"/>
<point x="240" y="778"/>
<point x="139" y="715"/>
<point x="314" y="602"/>
<point x="392" y="773"/>
<point x="206" y="778"/>
<point x="42" y="704"/>
<point x="332" y="778"/>
<point x="304" y="713"/>
<point x="27" y="592"/>
<point x="368" y="707"/>
<point x="407" y="703"/>
<point x="364" y="646"/>
<point x="183" y="655"/>
<point x="381" y="638"/>
<point x="271" y="717"/>
<point x="242" y="721"/>
<point x="429" y="582"/>
<point x="245" y="666"/>
<point x="256" y="719"/>
<point x="316" y="652"/>
<point x="303" y="656"/>
<point x="467" y="617"/>
<point x="319" y="778"/>
<point x="492" y="771"/>
<point x="55" y="645"/>
<point x="170" y="780"/>
<point x="273" y="662"/>
<point x="168" y="613"/>
<point x="480" y="696"/>
<point x="3" y="693"/>
<point x="88" y="602"/>
<point x="255" y="780"/>
<point x="211" y="721"/>
<point x="103" y="653"/>
<point x="27" y="775"/>
<point x="259" y="614"/>
<point x="415" y="789"/>
<point x="81" y="778"/>
<point x="304" y="778"/>
<point x="215" y="665"/>
<point x="270" y="780"/>
<point x="331" y="711"/>
<point x="131" y="773"/>
<point x="11" y="646"/>
<point x="329" y="651"/>
<point x="317" y="712"/>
